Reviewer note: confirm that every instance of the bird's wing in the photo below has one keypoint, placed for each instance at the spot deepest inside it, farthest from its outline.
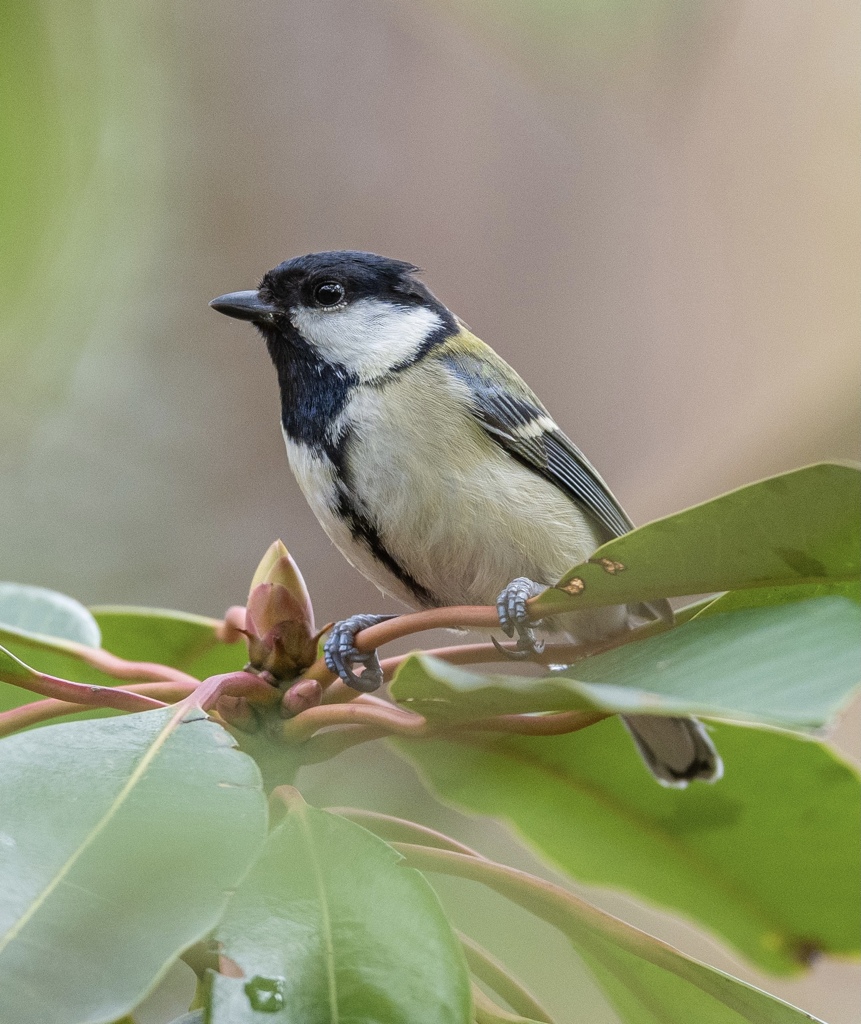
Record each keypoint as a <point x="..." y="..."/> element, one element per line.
<point x="514" y="418"/>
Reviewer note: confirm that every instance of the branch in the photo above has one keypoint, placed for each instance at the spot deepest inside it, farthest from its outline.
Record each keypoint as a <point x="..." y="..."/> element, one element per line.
<point x="391" y="719"/>
<point x="482" y="654"/>
<point x="340" y="693"/>
<point x="388" y="827"/>
<point x="574" y="917"/>
<point x="382" y="719"/>
<point x="236" y="684"/>
<point x="486" y="1010"/>
<point x="455" y="617"/>
<point x="119" y="668"/>
<point x="472" y="617"/>
<point x="44" y="710"/>
<point x="325" y="746"/>
<point x="75" y="693"/>
<point x="556" y="723"/>
<point x="546" y="900"/>
<point x="111" y="664"/>
<point x="495" y="975"/>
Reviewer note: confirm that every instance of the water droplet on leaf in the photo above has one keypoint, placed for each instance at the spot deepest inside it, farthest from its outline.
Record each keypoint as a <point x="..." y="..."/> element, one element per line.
<point x="265" y="994"/>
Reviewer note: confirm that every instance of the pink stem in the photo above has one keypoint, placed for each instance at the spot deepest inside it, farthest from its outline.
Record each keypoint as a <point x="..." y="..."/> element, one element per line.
<point x="44" y="710"/>
<point x="85" y="693"/>
<point x="455" y="617"/>
<point x="119" y="668"/>
<point x="390" y="718"/>
<point x="236" y="684"/>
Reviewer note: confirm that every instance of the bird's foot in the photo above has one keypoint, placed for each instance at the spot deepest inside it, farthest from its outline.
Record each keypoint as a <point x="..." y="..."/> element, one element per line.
<point x="514" y="618"/>
<point x="342" y="657"/>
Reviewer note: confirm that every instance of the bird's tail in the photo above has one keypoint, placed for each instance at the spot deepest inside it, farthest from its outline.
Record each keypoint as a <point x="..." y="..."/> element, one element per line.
<point x="676" y="750"/>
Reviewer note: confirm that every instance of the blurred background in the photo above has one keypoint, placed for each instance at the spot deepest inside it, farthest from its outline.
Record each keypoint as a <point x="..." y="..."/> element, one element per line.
<point x="650" y="209"/>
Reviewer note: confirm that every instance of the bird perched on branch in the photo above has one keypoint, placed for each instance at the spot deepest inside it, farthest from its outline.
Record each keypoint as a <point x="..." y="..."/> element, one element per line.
<point x="434" y="468"/>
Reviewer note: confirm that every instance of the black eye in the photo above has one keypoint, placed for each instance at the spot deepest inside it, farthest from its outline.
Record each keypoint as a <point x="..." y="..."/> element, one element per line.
<point x="329" y="293"/>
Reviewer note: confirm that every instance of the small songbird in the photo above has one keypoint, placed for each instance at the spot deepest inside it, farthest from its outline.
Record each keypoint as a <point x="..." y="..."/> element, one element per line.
<point x="435" y="469"/>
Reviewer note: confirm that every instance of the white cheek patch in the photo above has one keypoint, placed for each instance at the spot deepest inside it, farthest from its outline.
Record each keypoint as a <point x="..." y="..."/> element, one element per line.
<point x="368" y="336"/>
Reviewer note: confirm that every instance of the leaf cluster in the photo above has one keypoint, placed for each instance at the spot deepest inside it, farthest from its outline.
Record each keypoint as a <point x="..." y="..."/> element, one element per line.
<point x="162" y="819"/>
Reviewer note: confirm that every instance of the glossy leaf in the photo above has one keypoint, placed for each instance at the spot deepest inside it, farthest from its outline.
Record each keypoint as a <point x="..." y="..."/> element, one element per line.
<point x="182" y="640"/>
<point x="329" y="926"/>
<point x="120" y="841"/>
<point x="768" y="857"/>
<point x="796" y="528"/>
<point x="790" y="664"/>
<point x="764" y="597"/>
<point x="47" y="613"/>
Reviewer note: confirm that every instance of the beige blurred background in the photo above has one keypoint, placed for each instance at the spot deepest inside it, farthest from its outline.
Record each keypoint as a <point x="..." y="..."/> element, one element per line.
<point x="650" y="209"/>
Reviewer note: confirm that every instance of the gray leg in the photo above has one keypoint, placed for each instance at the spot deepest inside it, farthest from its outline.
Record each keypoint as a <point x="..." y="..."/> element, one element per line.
<point x="511" y="608"/>
<point x="342" y="657"/>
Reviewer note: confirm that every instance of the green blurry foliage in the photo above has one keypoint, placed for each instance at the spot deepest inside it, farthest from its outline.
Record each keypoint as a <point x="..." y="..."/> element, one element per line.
<point x="802" y="670"/>
<point x="767" y="857"/>
<point x="126" y="842"/>
<point x="41" y="170"/>
<point x="79" y="160"/>
<point x="183" y="641"/>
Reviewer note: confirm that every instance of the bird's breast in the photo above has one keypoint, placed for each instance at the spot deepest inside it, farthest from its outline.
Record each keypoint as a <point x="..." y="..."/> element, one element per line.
<point x="452" y="508"/>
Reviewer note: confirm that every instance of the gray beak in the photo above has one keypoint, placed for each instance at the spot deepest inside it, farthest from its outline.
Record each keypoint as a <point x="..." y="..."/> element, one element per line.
<point x="244" y="306"/>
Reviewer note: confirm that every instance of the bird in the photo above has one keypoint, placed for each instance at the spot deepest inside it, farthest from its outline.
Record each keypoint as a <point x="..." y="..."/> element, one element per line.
<point x="435" y="469"/>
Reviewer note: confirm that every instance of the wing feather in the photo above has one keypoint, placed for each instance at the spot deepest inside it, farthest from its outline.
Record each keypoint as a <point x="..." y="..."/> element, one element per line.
<point x="515" y="419"/>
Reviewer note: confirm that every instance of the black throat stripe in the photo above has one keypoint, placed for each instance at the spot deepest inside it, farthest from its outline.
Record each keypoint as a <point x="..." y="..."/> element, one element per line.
<point x="365" y="532"/>
<point x="362" y="527"/>
<point x="313" y="392"/>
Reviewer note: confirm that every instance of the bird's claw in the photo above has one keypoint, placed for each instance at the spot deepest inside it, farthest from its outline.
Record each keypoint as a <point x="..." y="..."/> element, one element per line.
<point x="515" y="654"/>
<point x="514" y="617"/>
<point x="342" y="656"/>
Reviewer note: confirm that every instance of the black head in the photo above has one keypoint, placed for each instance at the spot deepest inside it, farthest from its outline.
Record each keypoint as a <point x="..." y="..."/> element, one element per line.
<point x="363" y="313"/>
<point x="335" y="320"/>
<point x="361" y="275"/>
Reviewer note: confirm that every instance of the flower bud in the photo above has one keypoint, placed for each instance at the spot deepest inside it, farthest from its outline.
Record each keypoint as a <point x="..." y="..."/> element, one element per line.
<point x="277" y="566"/>
<point x="279" y="619"/>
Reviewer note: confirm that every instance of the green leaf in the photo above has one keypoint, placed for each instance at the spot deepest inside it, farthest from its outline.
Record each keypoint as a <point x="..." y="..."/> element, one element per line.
<point x="768" y="857"/>
<point x="791" y="664"/>
<point x="15" y="669"/>
<point x="796" y="528"/>
<point x="679" y="990"/>
<point x="649" y="981"/>
<point x="763" y="597"/>
<point x="184" y="641"/>
<point x="47" y="613"/>
<point x="329" y="926"/>
<point x="120" y="841"/>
